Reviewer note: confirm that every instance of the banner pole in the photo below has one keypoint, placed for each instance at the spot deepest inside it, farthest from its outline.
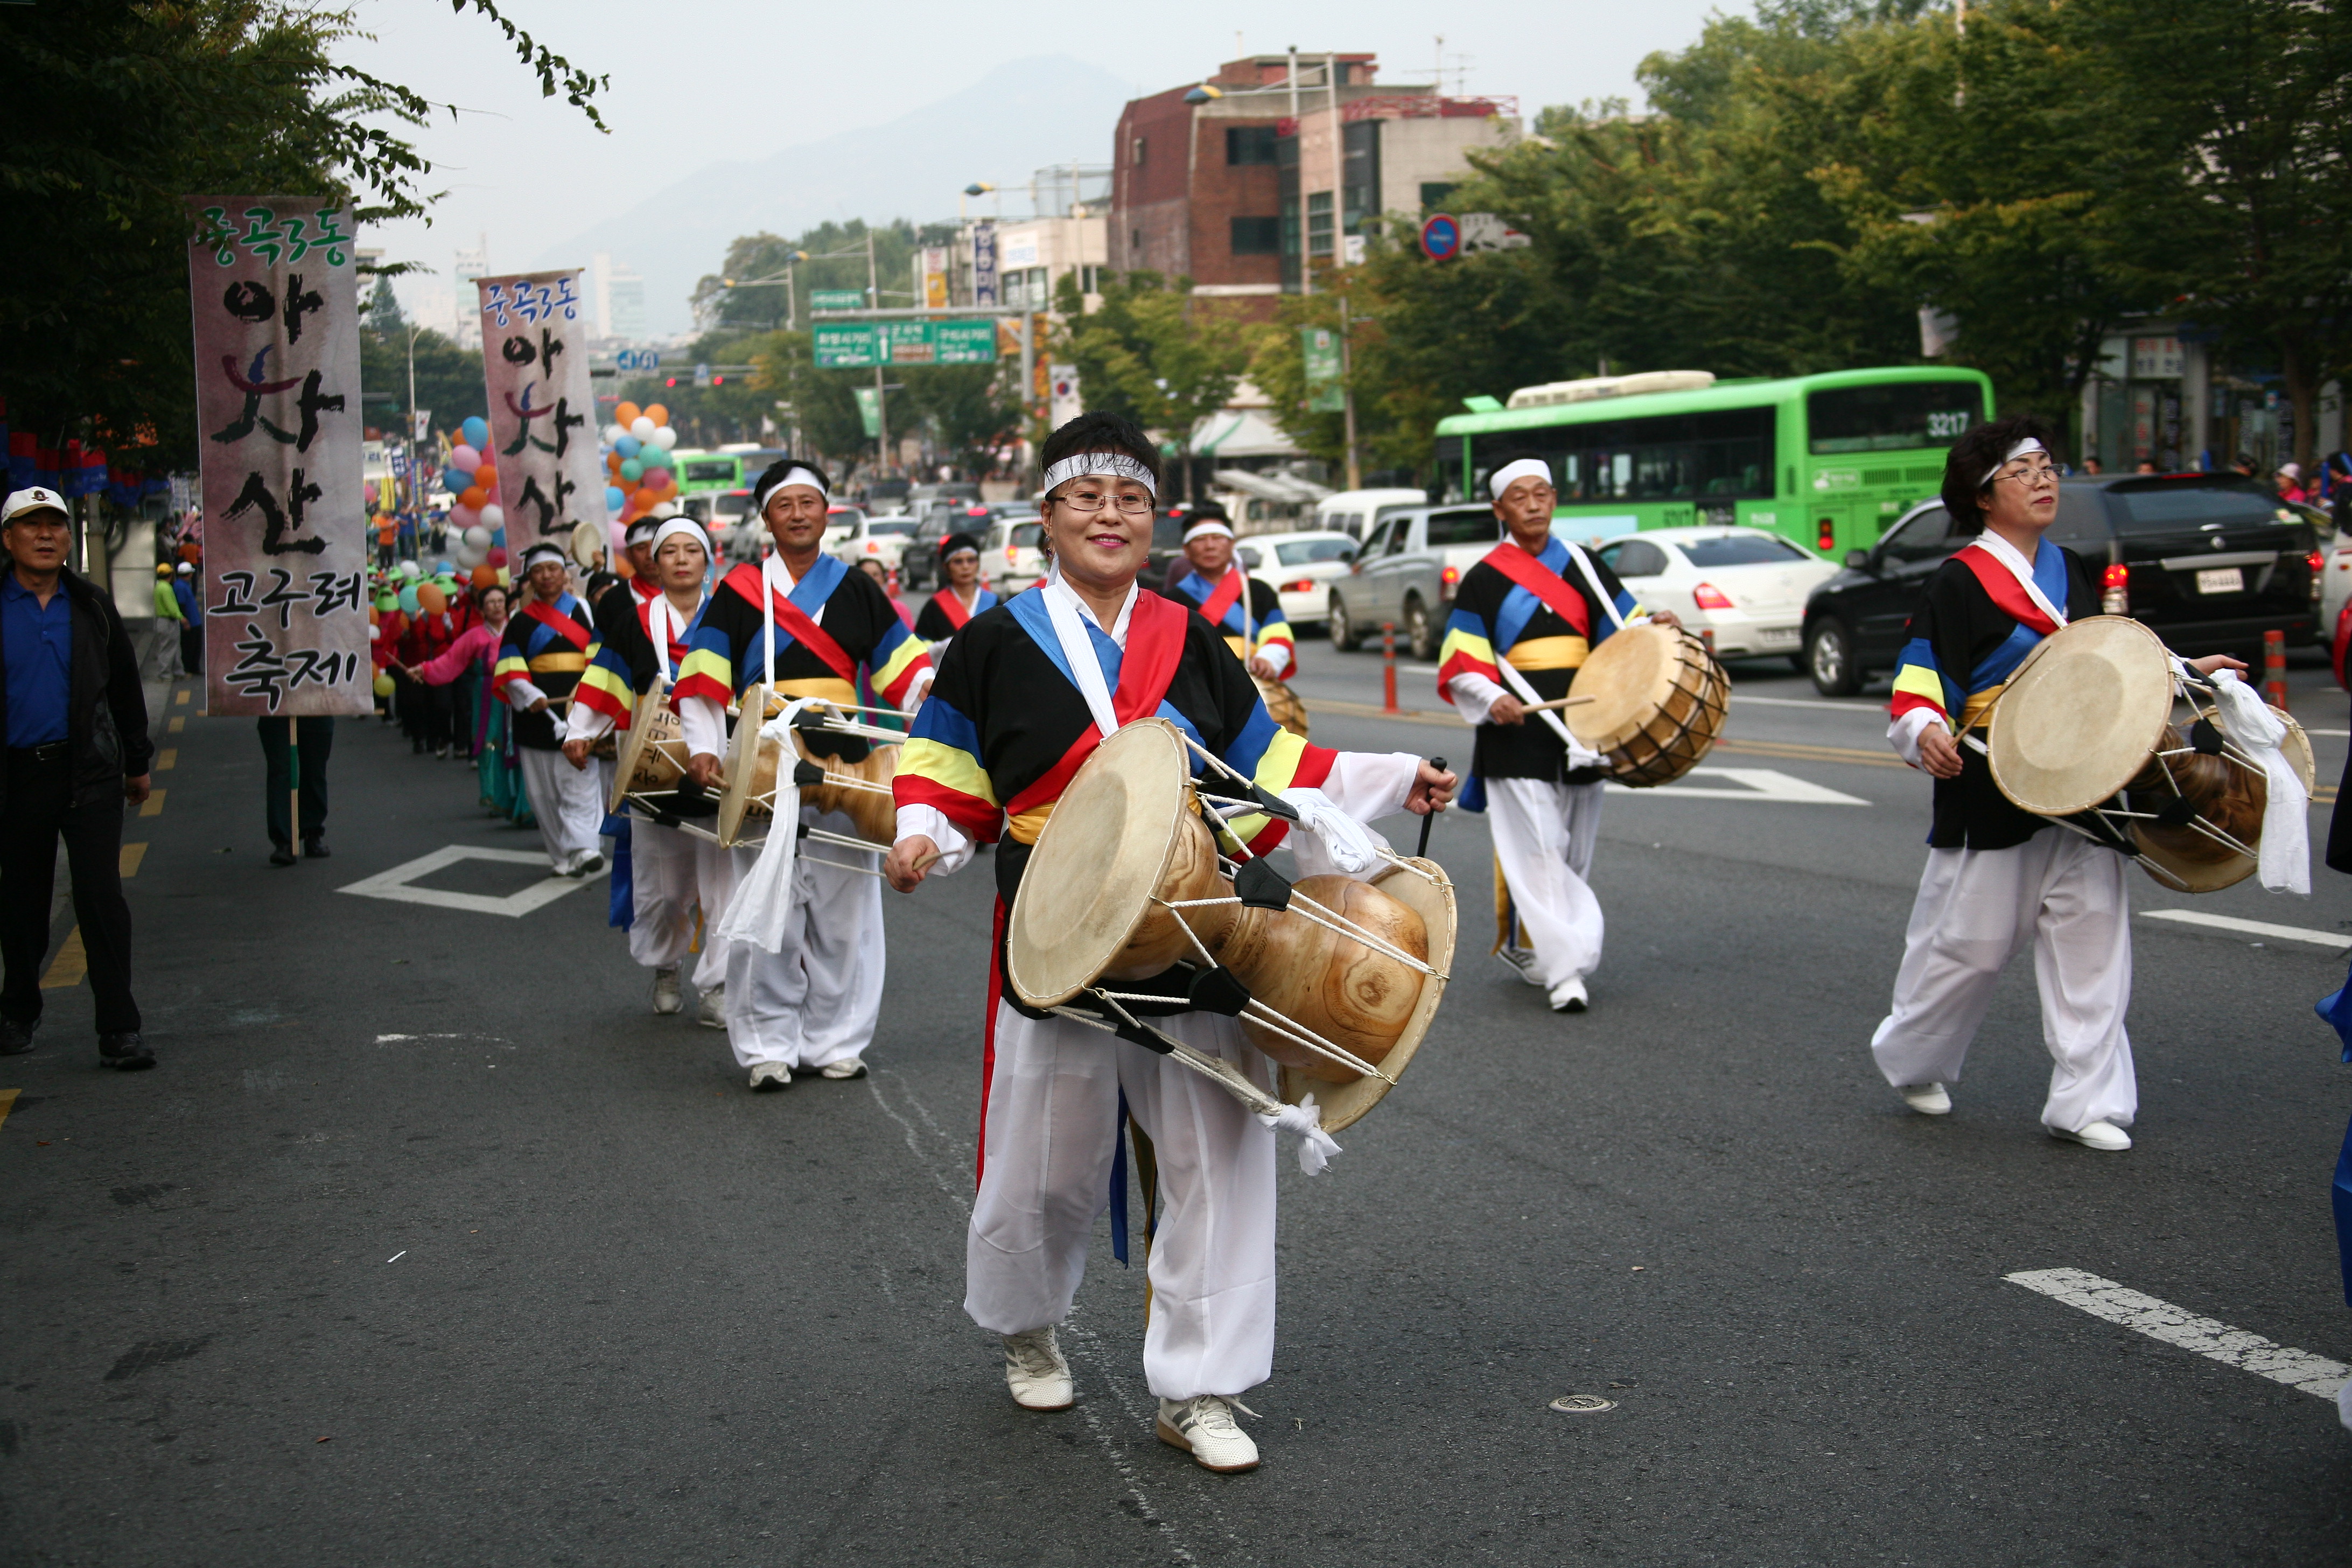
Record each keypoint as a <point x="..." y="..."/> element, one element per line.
<point x="293" y="789"/>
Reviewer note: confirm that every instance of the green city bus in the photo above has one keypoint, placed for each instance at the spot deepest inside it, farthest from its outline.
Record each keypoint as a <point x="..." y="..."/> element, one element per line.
<point x="728" y="468"/>
<point x="1827" y="460"/>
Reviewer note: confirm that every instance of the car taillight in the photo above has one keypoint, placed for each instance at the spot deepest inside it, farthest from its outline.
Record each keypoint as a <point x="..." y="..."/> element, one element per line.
<point x="1447" y="580"/>
<point x="2318" y="564"/>
<point x="1707" y="596"/>
<point x="1827" y="540"/>
<point x="1303" y="585"/>
<point x="2115" y="589"/>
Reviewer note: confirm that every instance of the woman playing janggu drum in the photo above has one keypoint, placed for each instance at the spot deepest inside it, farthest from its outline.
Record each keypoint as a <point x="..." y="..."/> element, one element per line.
<point x="1017" y="706"/>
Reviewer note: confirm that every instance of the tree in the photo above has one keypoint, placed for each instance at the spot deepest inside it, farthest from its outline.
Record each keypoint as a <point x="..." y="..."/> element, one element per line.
<point x="1155" y="354"/>
<point x="971" y="409"/>
<point x="729" y="298"/>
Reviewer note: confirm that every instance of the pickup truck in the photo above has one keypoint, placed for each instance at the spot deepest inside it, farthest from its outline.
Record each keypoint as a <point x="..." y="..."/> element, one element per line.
<point x="1406" y="574"/>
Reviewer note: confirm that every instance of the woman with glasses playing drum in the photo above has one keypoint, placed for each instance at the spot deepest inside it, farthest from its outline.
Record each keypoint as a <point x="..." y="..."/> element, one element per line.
<point x="1024" y="694"/>
<point x="1996" y="872"/>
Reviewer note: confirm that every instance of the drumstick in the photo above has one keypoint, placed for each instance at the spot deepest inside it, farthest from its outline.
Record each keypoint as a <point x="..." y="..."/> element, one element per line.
<point x="1430" y="816"/>
<point x="1556" y="702"/>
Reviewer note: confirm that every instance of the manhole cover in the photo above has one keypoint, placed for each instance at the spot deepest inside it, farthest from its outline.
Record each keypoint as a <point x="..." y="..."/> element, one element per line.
<point x="1582" y="1404"/>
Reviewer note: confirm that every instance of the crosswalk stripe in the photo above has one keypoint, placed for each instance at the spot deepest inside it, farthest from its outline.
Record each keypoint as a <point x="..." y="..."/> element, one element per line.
<point x="2174" y="1325"/>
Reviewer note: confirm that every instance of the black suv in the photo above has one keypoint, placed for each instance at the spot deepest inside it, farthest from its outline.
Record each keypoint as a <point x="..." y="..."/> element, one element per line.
<point x="919" y="568"/>
<point x="2210" y="561"/>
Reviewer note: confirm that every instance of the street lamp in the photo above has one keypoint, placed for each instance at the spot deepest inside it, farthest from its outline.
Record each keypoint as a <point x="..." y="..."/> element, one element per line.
<point x="977" y="188"/>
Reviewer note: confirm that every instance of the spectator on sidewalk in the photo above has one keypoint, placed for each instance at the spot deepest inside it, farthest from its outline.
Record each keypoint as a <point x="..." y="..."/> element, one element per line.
<point x="76" y="722"/>
<point x="192" y="618"/>
<point x="169" y="624"/>
<point x="314" y="739"/>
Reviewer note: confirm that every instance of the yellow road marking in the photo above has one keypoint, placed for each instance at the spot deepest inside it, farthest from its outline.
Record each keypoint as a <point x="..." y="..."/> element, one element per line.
<point x="176" y="725"/>
<point x="69" y="965"/>
<point x="131" y="855"/>
<point x="154" y="806"/>
<point x="180" y="697"/>
<point x="7" y="1103"/>
<point x="169" y="757"/>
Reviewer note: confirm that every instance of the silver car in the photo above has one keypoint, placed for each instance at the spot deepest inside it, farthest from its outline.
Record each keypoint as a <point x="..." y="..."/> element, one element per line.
<point x="1406" y="574"/>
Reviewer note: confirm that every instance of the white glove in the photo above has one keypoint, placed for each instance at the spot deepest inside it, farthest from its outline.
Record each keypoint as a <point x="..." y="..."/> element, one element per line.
<point x="1350" y="846"/>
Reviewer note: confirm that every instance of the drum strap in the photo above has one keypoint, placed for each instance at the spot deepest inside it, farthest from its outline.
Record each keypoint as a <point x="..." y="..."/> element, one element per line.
<point x="1547" y="585"/>
<point x="1223" y="598"/>
<point x="952" y="607"/>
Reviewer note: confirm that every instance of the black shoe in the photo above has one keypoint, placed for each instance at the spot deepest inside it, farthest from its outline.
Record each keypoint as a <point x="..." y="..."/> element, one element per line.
<point x="315" y="846"/>
<point x="15" y="1039"/>
<point x="416" y="748"/>
<point x="124" y="1053"/>
<point x="282" y="854"/>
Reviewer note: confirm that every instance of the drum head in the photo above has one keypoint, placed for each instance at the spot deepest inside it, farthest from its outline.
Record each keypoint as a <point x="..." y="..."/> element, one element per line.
<point x="1430" y="897"/>
<point x="1104" y="853"/>
<point x="2082" y="717"/>
<point x="740" y="747"/>
<point x="1629" y="677"/>
<point x="633" y="740"/>
<point x="2212" y="876"/>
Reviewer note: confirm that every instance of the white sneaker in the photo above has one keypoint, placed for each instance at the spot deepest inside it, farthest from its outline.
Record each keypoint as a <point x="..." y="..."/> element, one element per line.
<point x="1522" y="961"/>
<point x="1035" y="1372"/>
<point x="1203" y="1426"/>
<point x="1569" y="996"/>
<point x="666" y="997"/>
<point x="1926" y="1098"/>
<point x="2104" y="1136"/>
<point x="848" y="1067"/>
<point x="711" y="1011"/>
<point x="767" y="1077"/>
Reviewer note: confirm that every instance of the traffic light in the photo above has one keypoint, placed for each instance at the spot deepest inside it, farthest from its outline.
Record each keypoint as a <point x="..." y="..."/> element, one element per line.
<point x="717" y="381"/>
<point x="671" y="382"/>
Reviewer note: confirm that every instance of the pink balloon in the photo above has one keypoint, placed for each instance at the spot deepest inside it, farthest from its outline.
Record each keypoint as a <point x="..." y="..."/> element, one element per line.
<point x="465" y="459"/>
<point x="497" y="556"/>
<point x="463" y="517"/>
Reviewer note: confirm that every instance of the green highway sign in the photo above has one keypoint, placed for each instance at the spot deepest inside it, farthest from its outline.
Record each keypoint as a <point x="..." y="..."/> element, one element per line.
<point x="837" y="299"/>
<point x="861" y="345"/>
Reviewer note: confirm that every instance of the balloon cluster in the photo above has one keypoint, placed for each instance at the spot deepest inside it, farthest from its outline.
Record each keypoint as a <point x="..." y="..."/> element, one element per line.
<point x="480" y="525"/>
<point x="639" y="473"/>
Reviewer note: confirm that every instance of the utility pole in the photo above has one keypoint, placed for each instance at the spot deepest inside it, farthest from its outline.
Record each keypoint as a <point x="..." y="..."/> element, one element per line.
<point x="1348" y="394"/>
<point x="1338" y="166"/>
<point x="881" y="408"/>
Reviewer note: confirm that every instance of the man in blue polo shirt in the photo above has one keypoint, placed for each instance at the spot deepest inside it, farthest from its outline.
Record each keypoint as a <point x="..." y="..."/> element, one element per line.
<point x="75" y="726"/>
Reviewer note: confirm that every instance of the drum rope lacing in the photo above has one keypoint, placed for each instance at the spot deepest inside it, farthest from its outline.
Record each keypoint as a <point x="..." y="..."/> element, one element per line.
<point x="1702" y="703"/>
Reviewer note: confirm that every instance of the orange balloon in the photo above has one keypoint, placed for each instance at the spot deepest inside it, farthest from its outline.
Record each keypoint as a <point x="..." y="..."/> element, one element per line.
<point x="612" y="462"/>
<point x="475" y="497"/>
<point x="625" y="415"/>
<point x="485" y="575"/>
<point x="431" y="599"/>
<point x="486" y="478"/>
<point x="656" y="413"/>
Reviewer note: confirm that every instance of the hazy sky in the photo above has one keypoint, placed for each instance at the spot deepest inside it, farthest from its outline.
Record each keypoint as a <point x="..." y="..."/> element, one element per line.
<point x="698" y="80"/>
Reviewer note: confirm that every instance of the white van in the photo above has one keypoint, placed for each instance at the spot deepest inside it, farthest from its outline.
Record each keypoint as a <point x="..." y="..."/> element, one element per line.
<point x="1357" y="513"/>
<point x="1012" y="559"/>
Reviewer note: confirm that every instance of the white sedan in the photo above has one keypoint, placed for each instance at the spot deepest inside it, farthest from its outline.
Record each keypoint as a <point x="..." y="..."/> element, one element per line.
<point x="1299" y="567"/>
<point x="883" y="539"/>
<point x="1746" y="586"/>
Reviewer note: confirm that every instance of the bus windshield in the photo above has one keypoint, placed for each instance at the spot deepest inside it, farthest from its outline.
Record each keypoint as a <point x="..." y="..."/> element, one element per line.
<point x="708" y="471"/>
<point x="1902" y="415"/>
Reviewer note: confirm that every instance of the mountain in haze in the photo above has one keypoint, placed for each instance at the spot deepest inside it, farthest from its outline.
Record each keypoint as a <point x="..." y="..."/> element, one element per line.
<point x="1020" y="117"/>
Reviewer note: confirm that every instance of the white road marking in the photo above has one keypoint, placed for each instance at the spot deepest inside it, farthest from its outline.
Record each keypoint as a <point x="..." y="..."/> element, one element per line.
<point x="1871" y="710"/>
<point x="2178" y="1326"/>
<point x="394" y="884"/>
<point x="1747" y="784"/>
<point x="2335" y="940"/>
<point x="397" y="1255"/>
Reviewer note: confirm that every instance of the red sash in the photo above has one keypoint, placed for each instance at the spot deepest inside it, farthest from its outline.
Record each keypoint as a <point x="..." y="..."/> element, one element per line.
<point x="1155" y="647"/>
<point x="2007" y="594"/>
<point x="1540" y="580"/>
<point x="951" y="607"/>
<point x="747" y="580"/>
<point x="1223" y="598"/>
<point x="556" y="621"/>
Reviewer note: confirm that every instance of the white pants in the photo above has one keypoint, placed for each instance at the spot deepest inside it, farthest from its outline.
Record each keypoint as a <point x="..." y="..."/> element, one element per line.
<point x="1544" y="833"/>
<point x="670" y="873"/>
<point x="1051" y="1129"/>
<point x="1974" y="910"/>
<point x="567" y="802"/>
<point x="817" y="1002"/>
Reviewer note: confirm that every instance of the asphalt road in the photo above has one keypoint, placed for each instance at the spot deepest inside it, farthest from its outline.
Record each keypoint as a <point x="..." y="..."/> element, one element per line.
<point x="428" y="1242"/>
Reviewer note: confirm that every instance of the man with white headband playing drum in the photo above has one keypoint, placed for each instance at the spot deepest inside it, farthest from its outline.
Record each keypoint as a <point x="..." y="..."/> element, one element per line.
<point x="1524" y="621"/>
<point x="1249" y="612"/>
<point x="539" y="662"/>
<point x="1996" y="872"/>
<point x="1025" y="693"/>
<point x="802" y="623"/>
<point x="670" y="872"/>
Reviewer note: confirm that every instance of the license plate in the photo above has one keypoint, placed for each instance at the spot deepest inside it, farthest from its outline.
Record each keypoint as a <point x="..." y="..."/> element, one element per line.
<point x="1776" y="636"/>
<point x="2222" y="580"/>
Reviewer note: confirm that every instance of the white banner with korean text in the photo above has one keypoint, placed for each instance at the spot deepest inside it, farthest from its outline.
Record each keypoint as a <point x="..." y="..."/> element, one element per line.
<point x="543" y="414"/>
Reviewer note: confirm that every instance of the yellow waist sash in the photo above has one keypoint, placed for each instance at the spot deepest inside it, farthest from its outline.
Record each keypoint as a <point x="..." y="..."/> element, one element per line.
<point x="1548" y="653"/>
<point x="1979" y="703"/>
<point x="559" y="664"/>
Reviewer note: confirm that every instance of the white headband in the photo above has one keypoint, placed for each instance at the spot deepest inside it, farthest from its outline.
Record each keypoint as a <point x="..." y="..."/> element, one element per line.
<point x="1209" y="528"/>
<point x="685" y="526"/>
<point x="2022" y="448"/>
<point x="1117" y="465"/>
<point x="796" y="476"/>
<point x="539" y="553"/>
<point x="1511" y="473"/>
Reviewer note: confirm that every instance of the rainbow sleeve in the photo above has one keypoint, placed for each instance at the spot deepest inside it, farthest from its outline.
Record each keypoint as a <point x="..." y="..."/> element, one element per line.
<point x="604" y="686"/>
<point x="895" y="662"/>
<point x="512" y="665"/>
<point x="1465" y="651"/>
<point x="1919" y="682"/>
<point x="940" y="767"/>
<point x="709" y="667"/>
<point x="1275" y="628"/>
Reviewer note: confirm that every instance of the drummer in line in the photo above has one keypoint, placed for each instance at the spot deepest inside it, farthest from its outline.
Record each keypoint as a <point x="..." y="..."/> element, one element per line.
<point x="1024" y="694"/>
<point x="1246" y="609"/>
<point x="960" y="598"/>
<point x="1996" y="873"/>
<point x="1525" y="618"/>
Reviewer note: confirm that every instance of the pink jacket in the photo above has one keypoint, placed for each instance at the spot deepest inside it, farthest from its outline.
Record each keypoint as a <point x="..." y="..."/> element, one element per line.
<point x="472" y="643"/>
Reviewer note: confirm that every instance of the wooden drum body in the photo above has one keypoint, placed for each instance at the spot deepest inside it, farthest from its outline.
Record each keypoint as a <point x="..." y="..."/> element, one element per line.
<point x="652" y="756"/>
<point x="859" y="790"/>
<point x="1126" y="842"/>
<point x="1282" y="705"/>
<point x="1652" y="700"/>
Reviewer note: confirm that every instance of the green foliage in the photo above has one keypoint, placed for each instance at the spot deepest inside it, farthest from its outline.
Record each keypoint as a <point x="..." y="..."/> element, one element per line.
<point x="1154" y="354"/>
<point x="835" y="258"/>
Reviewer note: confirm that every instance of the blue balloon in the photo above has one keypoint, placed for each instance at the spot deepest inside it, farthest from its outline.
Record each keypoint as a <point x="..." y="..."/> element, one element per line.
<point x="654" y="457"/>
<point x="441" y="569"/>
<point x="628" y="447"/>
<point x="614" y="498"/>
<point x="497" y="539"/>
<point x="477" y="432"/>
<point x="408" y="599"/>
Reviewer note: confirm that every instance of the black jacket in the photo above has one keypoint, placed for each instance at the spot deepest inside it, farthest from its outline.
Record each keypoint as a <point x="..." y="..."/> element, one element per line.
<point x="106" y="711"/>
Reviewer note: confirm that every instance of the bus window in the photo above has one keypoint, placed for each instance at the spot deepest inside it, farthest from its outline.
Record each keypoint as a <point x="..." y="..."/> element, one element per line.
<point x="1902" y="415"/>
<point x="709" y="471"/>
<point x="1725" y="454"/>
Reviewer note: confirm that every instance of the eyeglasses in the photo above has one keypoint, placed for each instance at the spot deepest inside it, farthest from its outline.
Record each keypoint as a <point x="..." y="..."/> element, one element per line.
<point x="2033" y="475"/>
<point x="1087" y="502"/>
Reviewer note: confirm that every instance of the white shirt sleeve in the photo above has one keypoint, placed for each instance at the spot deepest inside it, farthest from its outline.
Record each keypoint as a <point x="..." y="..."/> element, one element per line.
<point x="521" y="694"/>
<point x="1905" y="732"/>
<point x="702" y="721"/>
<point x="929" y="822"/>
<point x="920" y="687"/>
<point x="1474" y="696"/>
<point x="1368" y="785"/>
<point x="587" y="723"/>
<point x="1277" y="654"/>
